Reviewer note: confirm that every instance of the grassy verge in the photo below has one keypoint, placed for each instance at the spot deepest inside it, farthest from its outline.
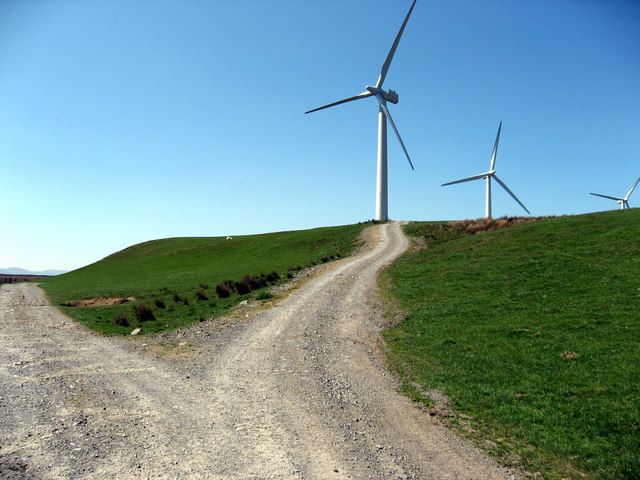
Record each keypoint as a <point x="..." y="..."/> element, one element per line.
<point x="177" y="277"/>
<point x="532" y="332"/>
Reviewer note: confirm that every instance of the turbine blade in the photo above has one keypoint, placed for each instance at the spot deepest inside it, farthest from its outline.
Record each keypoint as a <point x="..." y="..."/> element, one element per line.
<point x="607" y="196"/>
<point x="632" y="189"/>
<point x="510" y="193"/>
<point x="387" y="62"/>
<point x="494" y="154"/>
<point x="350" y="99"/>
<point x="468" y="179"/>
<point x="393" y="125"/>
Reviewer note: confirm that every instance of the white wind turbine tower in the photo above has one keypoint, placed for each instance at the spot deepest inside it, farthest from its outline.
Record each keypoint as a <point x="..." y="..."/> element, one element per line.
<point x="488" y="176"/>
<point x="623" y="202"/>
<point x="382" y="211"/>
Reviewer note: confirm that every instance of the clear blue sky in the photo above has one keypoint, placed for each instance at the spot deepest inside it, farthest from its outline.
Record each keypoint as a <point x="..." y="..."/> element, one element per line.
<point x="126" y="121"/>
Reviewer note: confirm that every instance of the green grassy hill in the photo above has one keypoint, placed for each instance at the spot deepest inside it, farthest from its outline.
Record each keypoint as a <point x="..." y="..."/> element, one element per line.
<point x="181" y="272"/>
<point x="533" y="332"/>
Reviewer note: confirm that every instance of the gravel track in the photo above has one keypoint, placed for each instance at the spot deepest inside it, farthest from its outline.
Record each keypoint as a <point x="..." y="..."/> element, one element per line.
<point x="295" y="391"/>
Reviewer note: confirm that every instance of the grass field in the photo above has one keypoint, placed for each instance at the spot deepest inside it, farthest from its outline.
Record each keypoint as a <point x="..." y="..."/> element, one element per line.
<point x="533" y="333"/>
<point x="182" y="273"/>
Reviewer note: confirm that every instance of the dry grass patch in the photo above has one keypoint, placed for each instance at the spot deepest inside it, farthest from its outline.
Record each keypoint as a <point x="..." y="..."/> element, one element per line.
<point x="486" y="224"/>
<point x="185" y="350"/>
<point x="100" y="302"/>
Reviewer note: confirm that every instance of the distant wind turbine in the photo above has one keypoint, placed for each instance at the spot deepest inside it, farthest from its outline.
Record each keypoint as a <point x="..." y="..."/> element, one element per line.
<point x="623" y="202"/>
<point x="488" y="176"/>
<point x="382" y="210"/>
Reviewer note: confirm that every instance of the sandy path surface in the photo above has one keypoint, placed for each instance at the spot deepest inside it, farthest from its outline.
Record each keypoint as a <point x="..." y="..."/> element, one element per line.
<point x="296" y="391"/>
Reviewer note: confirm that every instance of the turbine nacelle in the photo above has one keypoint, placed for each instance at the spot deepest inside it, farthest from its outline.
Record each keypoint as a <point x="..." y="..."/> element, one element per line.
<point x="389" y="96"/>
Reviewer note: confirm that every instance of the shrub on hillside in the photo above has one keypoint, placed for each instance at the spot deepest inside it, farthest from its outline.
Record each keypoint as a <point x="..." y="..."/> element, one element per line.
<point x="204" y="286"/>
<point x="122" y="320"/>
<point x="259" y="281"/>
<point x="243" y="286"/>
<point x="246" y="285"/>
<point x="273" y="277"/>
<point x="224" y="289"/>
<point x="251" y="282"/>
<point x="180" y="299"/>
<point x="160" y="303"/>
<point x="143" y="313"/>
<point x="200" y="295"/>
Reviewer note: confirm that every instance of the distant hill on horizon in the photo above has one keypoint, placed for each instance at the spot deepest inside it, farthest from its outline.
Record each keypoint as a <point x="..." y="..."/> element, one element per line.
<point x="22" y="271"/>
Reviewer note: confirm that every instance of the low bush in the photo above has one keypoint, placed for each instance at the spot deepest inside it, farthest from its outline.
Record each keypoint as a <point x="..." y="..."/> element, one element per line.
<point x="200" y="295"/>
<point x="246" y="285"/>
<point x="251" y="282"/>
<point x="204" y="286"/>
<point x="160" y="303"/>
<point x="259" y="281"/>
<point x="224" y="289"/>
<point x="243" y="286"/>
<point x="180" y="299"/>
<point x="122" y="320"/>
<point x="143" y="313"/>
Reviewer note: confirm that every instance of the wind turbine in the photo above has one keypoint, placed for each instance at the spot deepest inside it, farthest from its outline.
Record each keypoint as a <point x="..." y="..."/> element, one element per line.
<point x="623" y="202"/>
<point x="488" y="176"/>
<point x="383" y="96"/>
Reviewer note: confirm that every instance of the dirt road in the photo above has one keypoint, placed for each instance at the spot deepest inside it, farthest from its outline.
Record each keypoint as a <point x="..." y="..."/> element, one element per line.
<point x="297" y="391"/>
